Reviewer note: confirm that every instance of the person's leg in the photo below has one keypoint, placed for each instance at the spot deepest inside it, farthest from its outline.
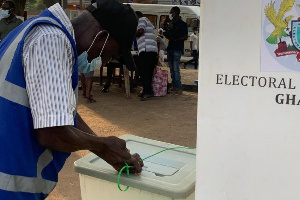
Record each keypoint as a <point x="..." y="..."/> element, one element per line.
<point x="142" y="70"/>
<point x="170" y="57"/>
<point x="136" y="79"/>
<point x="82" y="79"/>
<point x="176" y="64"/>
<point x="152" y="64"/>
<point x="196" y="59"/>
<point x="149" y="62"/>
<point x="147" y="72"/>
<point x="109" y="69"/>
<point x="89" y="84"/>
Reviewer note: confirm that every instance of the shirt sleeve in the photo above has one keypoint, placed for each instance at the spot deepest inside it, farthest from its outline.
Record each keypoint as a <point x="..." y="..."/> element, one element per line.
<point x="192" y="38"/>
<point x="48" y="66"/>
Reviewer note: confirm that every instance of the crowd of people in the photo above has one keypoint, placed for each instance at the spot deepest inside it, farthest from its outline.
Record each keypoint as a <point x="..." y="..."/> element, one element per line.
<point x="40" y="60"/>
<point x="151" y="50"/>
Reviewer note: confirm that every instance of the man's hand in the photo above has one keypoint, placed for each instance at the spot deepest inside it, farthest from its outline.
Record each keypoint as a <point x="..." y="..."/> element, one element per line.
<point x="140" y="32"/>
<point x="115" y="153"/>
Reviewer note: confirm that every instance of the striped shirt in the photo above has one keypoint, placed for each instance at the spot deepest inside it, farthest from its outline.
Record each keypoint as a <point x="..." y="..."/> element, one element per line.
<point x="147" y="42"/>
<point x="48" y="64"/>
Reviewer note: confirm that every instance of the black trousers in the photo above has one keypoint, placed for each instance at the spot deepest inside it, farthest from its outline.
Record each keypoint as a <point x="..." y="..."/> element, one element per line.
<point x="147" y="63"/>
<point x="195" y="55"/>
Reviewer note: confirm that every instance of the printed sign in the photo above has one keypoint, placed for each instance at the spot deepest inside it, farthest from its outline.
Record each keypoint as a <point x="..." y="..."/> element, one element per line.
<point x="280" y="45"/>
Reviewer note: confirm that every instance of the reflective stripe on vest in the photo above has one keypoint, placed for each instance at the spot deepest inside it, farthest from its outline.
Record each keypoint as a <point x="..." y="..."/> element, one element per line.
<point x="8" y="90"/>
<point x="17" y="94"/>
<point x="37" y="184"/>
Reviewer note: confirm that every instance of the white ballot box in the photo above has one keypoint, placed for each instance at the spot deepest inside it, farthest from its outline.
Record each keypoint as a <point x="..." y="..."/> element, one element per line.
<point x="165" y="176"/>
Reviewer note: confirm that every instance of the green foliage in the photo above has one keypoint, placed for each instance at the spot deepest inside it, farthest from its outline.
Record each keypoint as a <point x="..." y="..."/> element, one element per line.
<point x="35" y="5"/>
<point x="272" y="39"/>
<point x="291" y="47"/>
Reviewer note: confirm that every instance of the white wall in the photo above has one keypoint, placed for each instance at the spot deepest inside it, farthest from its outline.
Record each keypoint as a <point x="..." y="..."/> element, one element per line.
<point x="248" y="145"/>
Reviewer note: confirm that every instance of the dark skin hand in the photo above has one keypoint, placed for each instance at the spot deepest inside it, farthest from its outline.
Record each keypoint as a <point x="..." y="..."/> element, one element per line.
<point x="140" y="32"/>
<point x="69" y="139"/>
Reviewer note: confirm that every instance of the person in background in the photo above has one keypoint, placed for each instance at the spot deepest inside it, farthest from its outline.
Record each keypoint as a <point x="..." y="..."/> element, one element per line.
<point x="80" y="87"/>
<point x="86" y="78"/>
<point x="0" y="13"/>
<point x="176" y="34"/>
<point x="40" y="125"/>
<point x="167" y="23"/>
<point x="147" y="48"/>
<point x="161" y="45"/>
<point x="194" y="43"/>
<point x="9" y="20"/>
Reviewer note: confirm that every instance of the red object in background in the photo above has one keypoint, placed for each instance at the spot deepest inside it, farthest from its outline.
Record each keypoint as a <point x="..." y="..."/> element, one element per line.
<point x="298" y="57"/>
<point x="160" y="82"/>
<point x="281" y="47"/>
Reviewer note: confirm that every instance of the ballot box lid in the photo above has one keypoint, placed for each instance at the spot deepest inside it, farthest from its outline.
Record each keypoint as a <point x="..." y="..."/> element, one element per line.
<point x="171" y="173"/>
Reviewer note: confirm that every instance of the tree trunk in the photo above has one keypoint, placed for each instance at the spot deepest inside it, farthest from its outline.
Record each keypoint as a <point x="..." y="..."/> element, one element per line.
<point x="20" y="6"/>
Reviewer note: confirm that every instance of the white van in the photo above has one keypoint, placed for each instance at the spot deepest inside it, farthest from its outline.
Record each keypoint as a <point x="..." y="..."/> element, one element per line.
<point x="156" y="13"/>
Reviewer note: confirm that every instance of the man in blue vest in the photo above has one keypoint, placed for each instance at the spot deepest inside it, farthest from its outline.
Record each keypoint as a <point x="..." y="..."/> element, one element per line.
<point x="38" y="85"/>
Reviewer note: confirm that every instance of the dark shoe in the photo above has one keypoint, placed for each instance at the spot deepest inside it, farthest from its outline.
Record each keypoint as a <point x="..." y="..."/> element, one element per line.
<point x="172" y="90"/>
<point x="146" y="96"/>
<point x="142" y="99"/>
<point x="178" y="92"/>
<point x="140" y="94"/>
<point x="105" y="90"/>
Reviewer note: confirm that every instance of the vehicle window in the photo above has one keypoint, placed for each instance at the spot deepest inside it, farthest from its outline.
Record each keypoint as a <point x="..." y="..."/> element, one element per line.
<point x="152" y="19"/>
<point x="192" y="22"/>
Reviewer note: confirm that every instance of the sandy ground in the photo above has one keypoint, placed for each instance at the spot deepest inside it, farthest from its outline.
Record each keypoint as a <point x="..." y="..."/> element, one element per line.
<point x="171" y="119"/>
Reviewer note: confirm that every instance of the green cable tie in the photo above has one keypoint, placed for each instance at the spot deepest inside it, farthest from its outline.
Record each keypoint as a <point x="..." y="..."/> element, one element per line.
<point x="127" y="166"/>
<point x="120" y="172"/>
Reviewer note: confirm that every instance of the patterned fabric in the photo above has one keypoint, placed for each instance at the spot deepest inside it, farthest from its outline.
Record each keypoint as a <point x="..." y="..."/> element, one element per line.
<point x="147" y="42"/>
<point x="160" y="82"/>
<point x="42" y="47"/>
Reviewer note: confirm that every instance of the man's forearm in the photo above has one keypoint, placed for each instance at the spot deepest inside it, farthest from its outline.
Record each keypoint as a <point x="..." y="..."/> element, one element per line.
<point x="68" y="139"/>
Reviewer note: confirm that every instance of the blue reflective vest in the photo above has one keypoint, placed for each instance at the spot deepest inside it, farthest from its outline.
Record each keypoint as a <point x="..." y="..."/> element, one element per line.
<point x="28" y="171"/>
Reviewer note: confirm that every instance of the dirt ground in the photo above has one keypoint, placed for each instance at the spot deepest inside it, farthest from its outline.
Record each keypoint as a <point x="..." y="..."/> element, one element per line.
<point x="171" y="119"/>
